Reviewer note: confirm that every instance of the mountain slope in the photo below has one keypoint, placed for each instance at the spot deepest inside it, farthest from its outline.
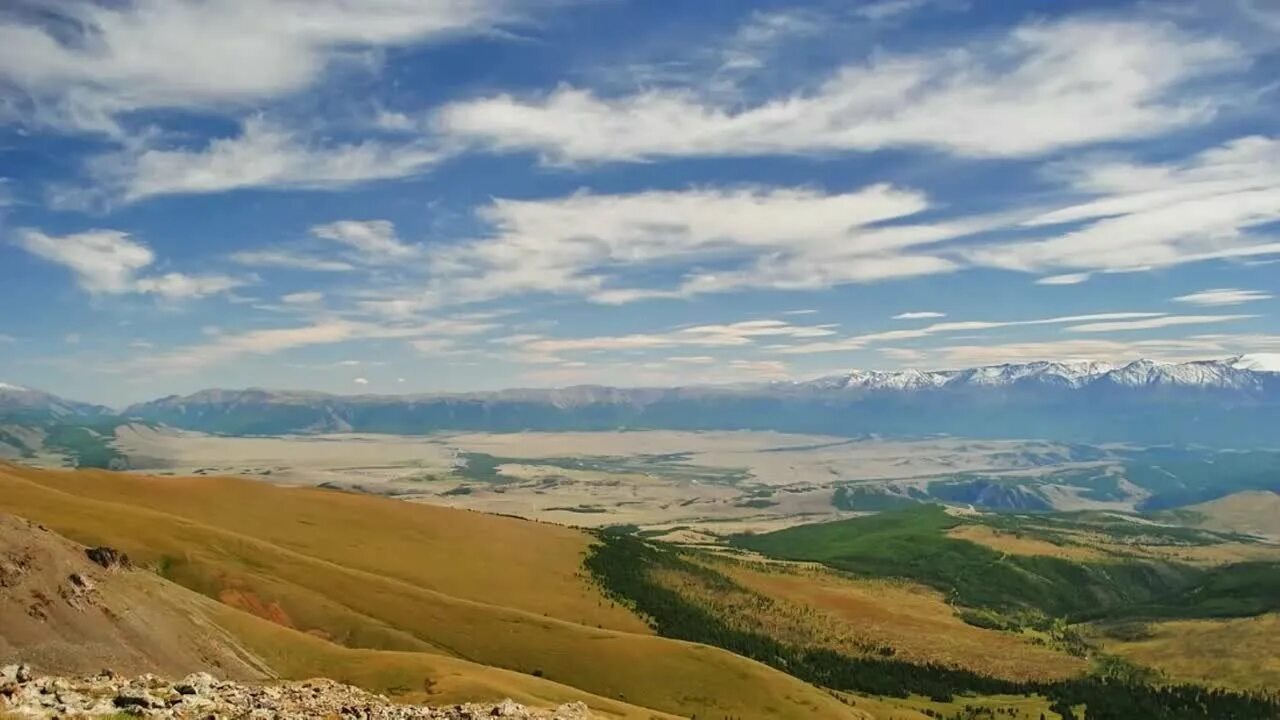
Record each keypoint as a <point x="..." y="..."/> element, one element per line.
<point x="1254" y="512"/>
<point x="21" y="402"/>
<point x="131" y="620"/>
<point x="365" y="573"/>
<point x="63" y="613"/>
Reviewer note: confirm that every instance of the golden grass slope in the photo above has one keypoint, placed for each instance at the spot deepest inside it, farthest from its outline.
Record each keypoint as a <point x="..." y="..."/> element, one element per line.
<point x="431" y="583"/>
<point x="1086" y="546"/>
<point x="1018" y="544"/>
<point x="134" y="621"/>
<point x="1241" y="653"/>
<point x="1246" y="512"/>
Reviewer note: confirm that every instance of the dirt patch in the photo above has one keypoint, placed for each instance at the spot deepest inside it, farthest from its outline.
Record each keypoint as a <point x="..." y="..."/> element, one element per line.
<point x="245" y="600"/>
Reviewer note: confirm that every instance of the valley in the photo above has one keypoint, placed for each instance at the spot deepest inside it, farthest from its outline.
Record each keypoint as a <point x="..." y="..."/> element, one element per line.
<point x="896" y="614"/>
<point x="753" y="573"/>
<point x="703" y="486"/>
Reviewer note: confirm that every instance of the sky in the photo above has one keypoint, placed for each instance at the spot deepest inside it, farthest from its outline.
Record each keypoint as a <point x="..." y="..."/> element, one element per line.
<point x="399" y="196"/>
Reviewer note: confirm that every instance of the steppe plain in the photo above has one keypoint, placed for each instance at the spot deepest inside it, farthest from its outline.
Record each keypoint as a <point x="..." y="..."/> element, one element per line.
<point x="687" y="486"/>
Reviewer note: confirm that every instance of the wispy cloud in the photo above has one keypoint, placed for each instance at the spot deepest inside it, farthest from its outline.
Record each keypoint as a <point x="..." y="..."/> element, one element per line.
<point x="80" y="64"/>
<point x="921" y="315"/>
<point x="263" y="155"/>
<point x="289" y="259"/>
<point x="1021" y="95"/>
<point x="1146" y="216"/>
<point x="532" y="348"/>
<point x="1223" y="296"/>
<point x="374" y="241"/>
<point x="1155" y="322"/>
<point x="1067" y="279"/>
<point x="858" y="342"/>
<point x="109" y="262"/>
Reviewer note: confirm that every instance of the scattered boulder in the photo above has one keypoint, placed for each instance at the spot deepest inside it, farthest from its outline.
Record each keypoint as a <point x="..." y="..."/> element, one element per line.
<point x="201" y="696"/>
<point x="109" y="558"/>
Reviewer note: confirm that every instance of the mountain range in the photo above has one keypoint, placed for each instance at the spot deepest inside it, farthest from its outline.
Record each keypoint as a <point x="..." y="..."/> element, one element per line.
<point x="1233" y="402"/>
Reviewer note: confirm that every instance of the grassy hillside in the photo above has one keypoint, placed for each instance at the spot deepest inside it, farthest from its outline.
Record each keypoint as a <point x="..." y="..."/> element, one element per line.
<point x="913" y="543"/>
<point x="1241" y="653"/>
<point x="1246" y="512"/>
<point x="642" y="573"/>
<point x="437" y="586"/>
<point x="862" y="615"/>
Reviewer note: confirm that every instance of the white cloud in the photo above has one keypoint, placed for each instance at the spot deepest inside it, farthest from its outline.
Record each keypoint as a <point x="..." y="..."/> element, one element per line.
<point x="731" y="335"/>
<point x="302" y="298"/>
<point x="1023" y="94"/>
<point x="1142" y="216"/>
<point x="903" y="355"/>
<point x="109" y="262"/>
<point x="858" y="342"/>
<point x="360" y="381"/>
<point x="692" y="359"/>
<point x="176" y="286"/>
<point x="921" y="315"/>
<point x="103" y="261"/>
<point x="223" y="347"/>
<point x="762" y="33"/>
<point x="79" y="64"/>
<point x="262" y="155"/>
<point x="1157" y="322"/>
<point x="435" y="346"/>
<point x="656" y="373"/>
<point x="887" y="9"/>
<point x="1066" y="279"/>
<point x="374" y="241"/>
<point x="759" y="237"/>
<point x="760" y="368"/>
<point x="289" y="259"/>
<point x="1197" y="347"/>
<point x="1223" y="296"/>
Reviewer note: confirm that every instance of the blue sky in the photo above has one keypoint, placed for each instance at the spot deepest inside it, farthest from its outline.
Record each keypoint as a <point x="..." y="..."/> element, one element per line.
<point x="398" y="196"/>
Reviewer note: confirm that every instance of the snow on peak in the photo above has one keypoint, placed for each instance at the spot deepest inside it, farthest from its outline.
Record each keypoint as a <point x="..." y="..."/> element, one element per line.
<point x="1257" y="362"/>
<point x="1230" y="373"/>
<point x="16" y="388"/>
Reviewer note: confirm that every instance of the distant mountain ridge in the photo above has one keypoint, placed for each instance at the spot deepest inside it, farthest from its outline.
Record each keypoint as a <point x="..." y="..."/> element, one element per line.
<point x="1234" y="402"/>
<point x="1230" y="402"/>
<point x="16" y="400"/>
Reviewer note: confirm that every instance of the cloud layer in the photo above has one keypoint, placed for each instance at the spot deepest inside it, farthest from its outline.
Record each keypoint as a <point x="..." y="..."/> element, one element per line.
<point x="1025" y="94"/>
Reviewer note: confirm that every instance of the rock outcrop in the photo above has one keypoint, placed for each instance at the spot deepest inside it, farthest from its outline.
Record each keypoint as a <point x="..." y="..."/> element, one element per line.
<point x="25" y="695"/>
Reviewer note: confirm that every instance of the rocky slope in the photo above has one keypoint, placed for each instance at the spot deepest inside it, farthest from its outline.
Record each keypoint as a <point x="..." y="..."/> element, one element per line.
<point x="69" y="609"/>
<point x="24" y="695"/>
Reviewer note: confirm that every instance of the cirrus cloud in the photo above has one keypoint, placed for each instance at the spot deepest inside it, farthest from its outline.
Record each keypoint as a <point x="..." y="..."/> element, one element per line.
<point x="1021" y="95"/>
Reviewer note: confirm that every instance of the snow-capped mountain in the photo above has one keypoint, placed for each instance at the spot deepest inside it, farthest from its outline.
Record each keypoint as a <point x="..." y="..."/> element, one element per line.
<point x="1246" y="372"/>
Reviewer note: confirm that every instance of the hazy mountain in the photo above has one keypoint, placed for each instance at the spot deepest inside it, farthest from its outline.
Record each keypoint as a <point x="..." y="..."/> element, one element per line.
<point x="37" y="404"/>
<point x="1224" y="402"/>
